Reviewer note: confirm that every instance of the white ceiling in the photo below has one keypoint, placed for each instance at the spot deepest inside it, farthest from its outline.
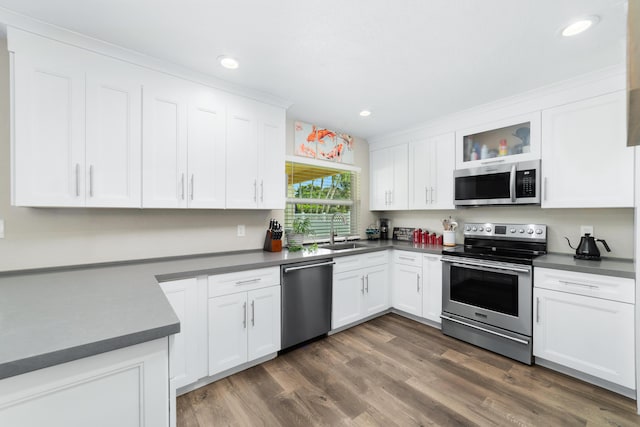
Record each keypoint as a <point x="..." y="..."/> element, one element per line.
<point x="408" y="61"/>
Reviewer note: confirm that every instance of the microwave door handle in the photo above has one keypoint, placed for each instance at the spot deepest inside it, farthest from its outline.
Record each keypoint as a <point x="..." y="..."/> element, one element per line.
<point x="512" y="183"/>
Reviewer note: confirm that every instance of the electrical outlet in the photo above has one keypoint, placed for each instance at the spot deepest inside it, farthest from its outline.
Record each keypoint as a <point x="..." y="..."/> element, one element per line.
<point x="584" y="229"/>
<point x="241" y="230"/>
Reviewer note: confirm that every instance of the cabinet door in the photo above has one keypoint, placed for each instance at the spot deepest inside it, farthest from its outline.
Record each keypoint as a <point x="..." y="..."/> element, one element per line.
<point x="432" y="291"/>
<point x="207" y="147"/>
<point x="376" y="290"/>
<point x="227" y="332"/>
<point x="48" y="142"/>
<point x="407" y="289"/>
<point x="263" y="322"/>
<point x="400" y="188"/>
<point x="442" y="163"/>
<point x="242" y="154"/>
<point x="348" y="292"/>
<point x="420" y="164"/>
<point x="271" y="152"/>
<point x="183" y="346"/>
<point x="381" y="177"/>
<point x="114" y="135"/>
<point x="591" y="335"/>
<point x="585" y="159"/>
<point x="164" y="143"/>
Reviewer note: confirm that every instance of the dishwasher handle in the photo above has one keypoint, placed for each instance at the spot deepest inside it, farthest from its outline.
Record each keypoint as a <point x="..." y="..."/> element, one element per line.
<point x="304" y="267"/>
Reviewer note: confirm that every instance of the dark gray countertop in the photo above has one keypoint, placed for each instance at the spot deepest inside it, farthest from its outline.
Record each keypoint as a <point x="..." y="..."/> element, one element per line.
<point x="51" y="316"/>
<point x="617" y="267"/>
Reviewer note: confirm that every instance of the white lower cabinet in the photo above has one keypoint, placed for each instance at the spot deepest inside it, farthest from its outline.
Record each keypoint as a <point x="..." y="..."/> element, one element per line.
<point x="125" y="388"/>
<point x="407" y="282"/>
<point x="432" y="287"/>
<point x="244" y="325"/>
<point x="585" y="322"/>
<point x="360" y="287"/>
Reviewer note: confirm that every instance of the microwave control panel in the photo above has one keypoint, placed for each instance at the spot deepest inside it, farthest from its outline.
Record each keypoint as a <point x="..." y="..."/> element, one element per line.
<point x="526" y="183"/>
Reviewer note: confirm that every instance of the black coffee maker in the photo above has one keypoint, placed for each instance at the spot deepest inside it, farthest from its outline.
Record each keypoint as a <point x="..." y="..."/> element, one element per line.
<point x="385" y="229"/>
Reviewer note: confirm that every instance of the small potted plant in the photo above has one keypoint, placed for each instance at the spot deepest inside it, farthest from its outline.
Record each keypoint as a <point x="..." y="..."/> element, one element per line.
<point x="296" y="235"/>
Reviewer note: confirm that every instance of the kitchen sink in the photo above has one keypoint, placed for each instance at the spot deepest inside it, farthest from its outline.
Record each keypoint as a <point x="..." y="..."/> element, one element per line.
<point x="344" y="246"/>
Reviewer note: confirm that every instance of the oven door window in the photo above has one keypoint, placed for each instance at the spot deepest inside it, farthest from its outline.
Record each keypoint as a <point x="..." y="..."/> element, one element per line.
<point x="485" y="289"/>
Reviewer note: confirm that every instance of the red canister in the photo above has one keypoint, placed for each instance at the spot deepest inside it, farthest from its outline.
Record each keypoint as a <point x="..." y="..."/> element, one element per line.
<point x="432" y="239"/>
<point x="440" y="240"/>
<point x="417" y="235"/>
<point x="425" y="237"/>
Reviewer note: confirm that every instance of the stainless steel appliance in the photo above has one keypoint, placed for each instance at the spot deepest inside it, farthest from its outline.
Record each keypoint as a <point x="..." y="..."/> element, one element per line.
<point x="498" y="184"/>
<point x="306" y="300"/>
<point x="488" y="287"/>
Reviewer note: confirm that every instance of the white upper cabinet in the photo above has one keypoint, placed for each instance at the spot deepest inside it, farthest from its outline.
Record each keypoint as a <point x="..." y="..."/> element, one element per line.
<point x="164" y="144"/>
<point x="585" y="161"/>
<point x="76" y="126"/>
<point x="389" y="178"/>
<point x="206" y="149"/>
<point x="184" y="145"/>
<point x="114" y="129"/>
<point x="255" y="155"/>
<point x="431" y="164"/>
<point x="508" y="140"/>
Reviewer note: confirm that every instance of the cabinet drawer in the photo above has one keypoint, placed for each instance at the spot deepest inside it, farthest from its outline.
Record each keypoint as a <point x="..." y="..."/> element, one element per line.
<point x="407" y="258"/>
<point x="348" y="263"/>
<point x="373" y="259"/>
<point x="223" y="284"/>
<point x="593" y="285"/>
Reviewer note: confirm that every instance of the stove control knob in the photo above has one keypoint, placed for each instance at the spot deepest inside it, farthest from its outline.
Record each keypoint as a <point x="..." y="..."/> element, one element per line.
<point x="530" y="231"/>
<point x="539" y="231"/>
<point x="467" y="228"/>
<point x="480" y="229"/>
<point x="488" y="229"/>
<point x="474" y="228"/>
<point x="513" y="230"/>
<point x="521" y="230"/>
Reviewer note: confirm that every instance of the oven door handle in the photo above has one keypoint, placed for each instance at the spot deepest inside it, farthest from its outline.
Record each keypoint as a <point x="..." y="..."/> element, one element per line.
<point x="479" y="266"/>
<point x="489" y="331"/>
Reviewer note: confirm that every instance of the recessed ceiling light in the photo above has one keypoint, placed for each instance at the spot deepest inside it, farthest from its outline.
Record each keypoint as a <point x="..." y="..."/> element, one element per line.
<point x="579" y="26"/>
<point x="228" y="62"/>
<point x="365" y="113"/>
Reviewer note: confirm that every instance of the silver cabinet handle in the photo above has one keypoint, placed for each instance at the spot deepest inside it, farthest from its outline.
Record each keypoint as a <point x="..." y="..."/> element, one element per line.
<point x="262" y="190"/>
<point x="544" y="189"/>
<point x="418" y="281"/>
<point x="431" y="194"/>
<point x="77" y="179"/>
<point x="582" y="285"/>
<point x="244" y="315"/>
<point x="90" y="180"/>
<point x="182" y="186"/>
<point x="525" y="342"/>
<point x="255" y="190"/>
<point x="390" y="197"/>
<point x="537" y="310"/>
<point x="192" y="188"/>
<point x="426" y="194"/>
<point x="245" y="282"/>
<point x="367" y="287"/>
<point x="253" y="313"/>
<point x="362" y="286"/>
<point x="406" y="258"/>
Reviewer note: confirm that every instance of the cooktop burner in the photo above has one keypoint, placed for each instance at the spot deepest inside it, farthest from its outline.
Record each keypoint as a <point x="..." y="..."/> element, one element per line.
<point x="516" y="243"/>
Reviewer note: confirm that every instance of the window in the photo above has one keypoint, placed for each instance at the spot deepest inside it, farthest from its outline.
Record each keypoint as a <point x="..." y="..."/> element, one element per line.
<point x="317" y="192"/>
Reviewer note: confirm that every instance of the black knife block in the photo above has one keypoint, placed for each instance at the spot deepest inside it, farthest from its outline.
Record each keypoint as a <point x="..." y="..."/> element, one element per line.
<point x="271" y="245"/>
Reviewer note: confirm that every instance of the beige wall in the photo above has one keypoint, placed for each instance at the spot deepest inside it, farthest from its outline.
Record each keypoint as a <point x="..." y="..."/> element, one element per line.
<point x="613" y="225"/>
<point x="44" y="237"/>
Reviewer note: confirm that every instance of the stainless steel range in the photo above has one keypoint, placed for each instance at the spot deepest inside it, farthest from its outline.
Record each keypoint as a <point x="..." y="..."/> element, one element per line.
<point x="488" y="287"/>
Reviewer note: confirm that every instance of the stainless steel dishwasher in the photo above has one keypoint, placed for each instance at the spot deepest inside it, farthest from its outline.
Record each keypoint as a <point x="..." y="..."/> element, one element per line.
<point x="306" y="300"/>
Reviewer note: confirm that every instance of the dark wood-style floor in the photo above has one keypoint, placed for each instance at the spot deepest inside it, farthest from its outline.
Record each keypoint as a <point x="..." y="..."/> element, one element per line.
<point x="392" y="371"/>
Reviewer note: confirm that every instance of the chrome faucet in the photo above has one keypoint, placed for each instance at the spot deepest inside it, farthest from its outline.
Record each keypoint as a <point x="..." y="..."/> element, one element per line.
<point x="333" y="217"/>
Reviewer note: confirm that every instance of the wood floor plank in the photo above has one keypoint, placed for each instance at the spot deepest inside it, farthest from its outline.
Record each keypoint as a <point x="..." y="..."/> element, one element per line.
<point x="392" y="371"/>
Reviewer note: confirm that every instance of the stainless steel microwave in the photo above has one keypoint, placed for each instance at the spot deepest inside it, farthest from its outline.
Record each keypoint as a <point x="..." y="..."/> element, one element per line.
<point x="503" y="184"/>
